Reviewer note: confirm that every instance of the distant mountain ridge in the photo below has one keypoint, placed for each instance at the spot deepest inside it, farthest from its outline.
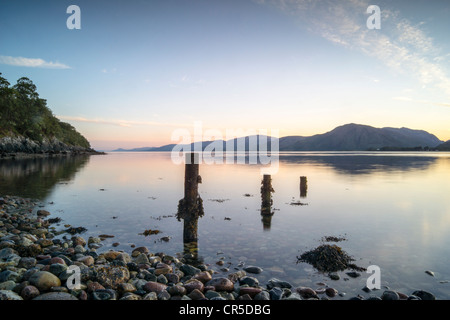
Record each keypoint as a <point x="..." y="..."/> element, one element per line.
<point x="349" y="137"/>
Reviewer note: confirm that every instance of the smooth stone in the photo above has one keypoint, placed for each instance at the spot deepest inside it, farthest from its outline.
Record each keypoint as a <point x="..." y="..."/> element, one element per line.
<point x="390" y="295"/>
<point x="7" y="275"/>
<point x="27" y="262"/>
<point x="203" y="276"/>
<point x="162" y="268"/>
<point x="189" y="270"/>
<point x="253" y="269"/>
<point x="172" y="278"/>
<point x="276" y="293"/>
<point x="152" y="286"/>
<point x="56" y="296"/>
<point x="263" y="295"/>
<point x="274" y="282"/>
<point x="29" y="292"/>
<point x="250" y="281"/>
<point x="141" y="259"/>
<point x="7" y="285"/>
<point x="131" y="296"/>
<point x="177" y="290"/>
<point x="161" y="279"/>
<point x="44" y="280"/>
<point x="57" y="268"/>
<point x="353" y="274"/>
<point x="9" y="295"/>
<point x="424" y="295"/>
<point x="193" y="284"/>
<point x="334" y="276"/>
<point x="78" y="241"/>
<point x="331" y="292"/>
<point x="237" y="275"/>
<point x="93" y="286"/>
<point x="163" y="295"/>
<point x="251" y="291"/>
<point x="293" y="296"/>
<point x="196" y="295"/>
<point x="221" y="284"/>
<point x="210" y="294"/>
<point x="150" y="296"/>
<point x="104" y="294"/>
<point x="306" y="292"/>
<point x="87" y="260"/>
<point x="137" y="251"/>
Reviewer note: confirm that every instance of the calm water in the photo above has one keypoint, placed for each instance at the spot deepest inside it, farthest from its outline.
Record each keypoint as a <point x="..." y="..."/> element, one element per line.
<point x="393" y="209"/>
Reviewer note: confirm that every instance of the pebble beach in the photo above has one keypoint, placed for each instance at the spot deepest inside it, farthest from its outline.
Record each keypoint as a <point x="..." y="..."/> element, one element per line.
<point x="37" y="262"/>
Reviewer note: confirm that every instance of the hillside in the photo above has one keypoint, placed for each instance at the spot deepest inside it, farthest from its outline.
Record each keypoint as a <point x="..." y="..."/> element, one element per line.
<point x="27" y="125"/>
<point x="356" y="137"/>
<point x="349" y="137"/>
<point x="444" y="146"/>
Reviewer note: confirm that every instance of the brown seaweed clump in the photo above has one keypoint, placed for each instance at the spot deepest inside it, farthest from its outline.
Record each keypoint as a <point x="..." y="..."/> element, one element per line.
<point x="329" y="258"/>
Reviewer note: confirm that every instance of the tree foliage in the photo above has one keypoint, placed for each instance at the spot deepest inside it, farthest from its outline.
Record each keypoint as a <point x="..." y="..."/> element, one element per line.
<point x="23" y="112"/>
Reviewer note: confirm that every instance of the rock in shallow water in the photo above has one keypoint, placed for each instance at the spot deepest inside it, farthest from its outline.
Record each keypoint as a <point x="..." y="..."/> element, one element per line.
<point x="424" y="295"/>
<point x="390" y="295"/>
<point x="56" y="296"/>
<point x="253" y="269"/>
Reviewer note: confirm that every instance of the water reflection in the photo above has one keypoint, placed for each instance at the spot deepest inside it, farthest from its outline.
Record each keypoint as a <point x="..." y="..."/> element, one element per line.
<point x="35" y="178"/>
<point x="362" y="164"/>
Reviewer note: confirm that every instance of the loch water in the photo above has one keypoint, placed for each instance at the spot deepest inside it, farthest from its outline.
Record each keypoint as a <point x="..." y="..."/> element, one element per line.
<point x="392" y="209"/>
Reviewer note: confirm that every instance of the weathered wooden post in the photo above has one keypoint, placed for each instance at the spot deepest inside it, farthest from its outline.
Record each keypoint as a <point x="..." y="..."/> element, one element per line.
<point x="266" y="201"/>
<point x="303" y="187"/>
<point x="190" y="208"/>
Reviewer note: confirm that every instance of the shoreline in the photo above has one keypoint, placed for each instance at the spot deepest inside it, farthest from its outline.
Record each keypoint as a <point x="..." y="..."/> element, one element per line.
<point x="36" y="265"/>
<point x="23" y="155"/>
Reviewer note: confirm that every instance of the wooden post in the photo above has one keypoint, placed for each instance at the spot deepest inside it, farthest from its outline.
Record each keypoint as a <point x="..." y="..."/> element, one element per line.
<point x="190" y="208"/>
<point x="303" y="187"/>
<point x="266" y="201"/>
<point x="266" y="191"/>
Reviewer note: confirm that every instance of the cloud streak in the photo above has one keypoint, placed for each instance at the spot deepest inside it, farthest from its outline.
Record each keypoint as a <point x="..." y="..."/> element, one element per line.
<point x="121" y="123"/>
<point x="401" y="45"/>
<point x="31" y="63"/>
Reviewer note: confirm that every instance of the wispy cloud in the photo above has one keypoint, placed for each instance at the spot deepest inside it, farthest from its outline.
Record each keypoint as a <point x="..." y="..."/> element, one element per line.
<point x="121" y="123"/>
<point x="31" y="62"/>
<point x="400" y="44"/>
<point x="408" y="99"/>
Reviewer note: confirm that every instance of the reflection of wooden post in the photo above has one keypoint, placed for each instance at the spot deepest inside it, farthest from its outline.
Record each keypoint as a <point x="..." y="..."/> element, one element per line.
<point x="266" y="201"/>
<point x="303" y="187"/>
<point x="190" y="208"/>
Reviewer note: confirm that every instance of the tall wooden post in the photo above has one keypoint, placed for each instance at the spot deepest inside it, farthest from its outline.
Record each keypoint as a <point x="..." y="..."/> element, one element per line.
<point x="303" y="187"/>
<point x="190" y="208"/>
<point x="266" y="201"/>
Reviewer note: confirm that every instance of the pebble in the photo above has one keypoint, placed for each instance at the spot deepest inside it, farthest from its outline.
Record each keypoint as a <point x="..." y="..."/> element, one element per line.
<point x="253" y="269"/>
<point x="424" y="295"/>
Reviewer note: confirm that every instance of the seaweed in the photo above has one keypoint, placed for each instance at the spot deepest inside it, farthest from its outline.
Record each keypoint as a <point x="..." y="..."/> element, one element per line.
<point x="329" y="258"/>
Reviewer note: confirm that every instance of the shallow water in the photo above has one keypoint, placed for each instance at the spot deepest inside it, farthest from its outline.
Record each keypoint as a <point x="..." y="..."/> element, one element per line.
<point x="392" y="208"/>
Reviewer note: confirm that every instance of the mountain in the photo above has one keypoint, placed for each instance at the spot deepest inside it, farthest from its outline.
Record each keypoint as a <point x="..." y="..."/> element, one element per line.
<point x="444" y="146"/>
<point x="356" y="137"/>
<point x="349" y="137"/>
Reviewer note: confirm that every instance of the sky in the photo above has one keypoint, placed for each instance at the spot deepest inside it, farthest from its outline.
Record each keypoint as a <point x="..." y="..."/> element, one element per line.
<point x="138" y="71"/>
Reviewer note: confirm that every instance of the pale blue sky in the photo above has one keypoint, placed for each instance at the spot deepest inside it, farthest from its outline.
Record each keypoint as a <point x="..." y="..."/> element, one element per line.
<point x="138" y="70"/>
